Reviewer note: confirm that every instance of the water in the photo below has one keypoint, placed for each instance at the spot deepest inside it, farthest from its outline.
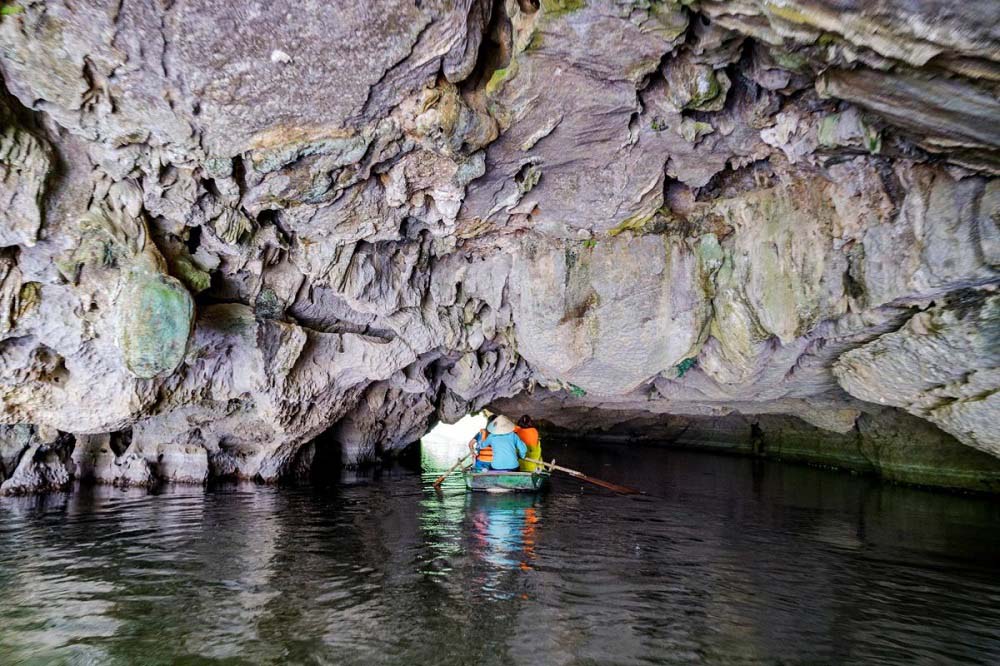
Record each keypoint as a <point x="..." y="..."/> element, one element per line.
<point x="726" y="561"/>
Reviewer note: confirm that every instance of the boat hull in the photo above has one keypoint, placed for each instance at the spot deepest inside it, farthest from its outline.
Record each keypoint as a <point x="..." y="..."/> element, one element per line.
<point x="506" y="482"/>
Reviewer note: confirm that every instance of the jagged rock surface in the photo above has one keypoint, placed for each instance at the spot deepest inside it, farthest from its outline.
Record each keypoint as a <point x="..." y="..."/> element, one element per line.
<point x="232" y="239"/>
<point x="943" y="365"/>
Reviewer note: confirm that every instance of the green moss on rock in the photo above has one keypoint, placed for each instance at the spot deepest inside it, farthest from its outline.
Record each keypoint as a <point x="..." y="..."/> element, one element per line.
<point x="639" y="224"/>
<point x="692" y="130"/>
<point x="267" y="305"/>
<point x="536" y="42"/>
<point x="527" y="178"/>
<point x="28" y="298"/>
<point x="636" y="224"/>
<point x="500" y="76"/>
<point x="155" y="318"/>
<point x="848" y="129"/>
<point x="671" y="17"/>
<point x="789" y="60"/>
<point x="195" y="278"/>
<point x="910" y="450"/>
<point x="705" y="88"/>
<point x="560" y="7"/>
<point x="684" y="366"/>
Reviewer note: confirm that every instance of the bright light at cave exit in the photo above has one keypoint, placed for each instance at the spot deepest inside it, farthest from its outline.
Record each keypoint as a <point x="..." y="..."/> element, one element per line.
<point x="445" y="444"/>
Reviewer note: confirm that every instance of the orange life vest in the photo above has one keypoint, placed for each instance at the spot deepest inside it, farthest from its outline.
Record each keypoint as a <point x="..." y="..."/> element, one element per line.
<point x="528" y="435"/>
<point x="530" y="438"/>
<point x="485" y="454"/>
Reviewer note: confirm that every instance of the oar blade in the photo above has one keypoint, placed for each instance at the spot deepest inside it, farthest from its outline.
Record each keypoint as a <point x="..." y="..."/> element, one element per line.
<point x="624" y="490"/>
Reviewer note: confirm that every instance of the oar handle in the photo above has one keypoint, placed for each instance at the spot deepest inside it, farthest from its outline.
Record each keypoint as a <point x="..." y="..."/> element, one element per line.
<point x="624" y="490"/>
<point x="461" y="460"/>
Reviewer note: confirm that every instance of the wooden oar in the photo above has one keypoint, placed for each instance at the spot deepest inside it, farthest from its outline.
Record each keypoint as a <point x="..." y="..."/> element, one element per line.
<point x="453" y="468"/>
<point x="624" y="490"/>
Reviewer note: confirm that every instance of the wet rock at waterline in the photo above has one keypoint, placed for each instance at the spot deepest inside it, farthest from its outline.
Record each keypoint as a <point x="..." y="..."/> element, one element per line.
<point x="232" y="245"/>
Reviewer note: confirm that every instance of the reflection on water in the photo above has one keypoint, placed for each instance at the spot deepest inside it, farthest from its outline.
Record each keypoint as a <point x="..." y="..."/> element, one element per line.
<point x="503" y="531"/>
<point x="725" y="561"/>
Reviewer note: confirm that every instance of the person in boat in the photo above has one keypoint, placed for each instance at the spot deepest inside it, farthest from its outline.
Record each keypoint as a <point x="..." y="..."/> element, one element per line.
<point x="506" y="447"/>
<point x="479" y="448"/>
<point x="526" y="430"/>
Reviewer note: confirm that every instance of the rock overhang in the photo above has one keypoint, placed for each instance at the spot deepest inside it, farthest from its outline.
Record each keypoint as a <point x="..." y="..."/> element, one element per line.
<point x="757" y="208"/>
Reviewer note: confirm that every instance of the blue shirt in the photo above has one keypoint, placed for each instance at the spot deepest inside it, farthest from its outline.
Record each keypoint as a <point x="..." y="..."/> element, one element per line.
<point x="506" y="450"/>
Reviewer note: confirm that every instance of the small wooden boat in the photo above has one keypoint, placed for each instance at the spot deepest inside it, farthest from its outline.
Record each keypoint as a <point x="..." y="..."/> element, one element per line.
<point x="506" y="482"/>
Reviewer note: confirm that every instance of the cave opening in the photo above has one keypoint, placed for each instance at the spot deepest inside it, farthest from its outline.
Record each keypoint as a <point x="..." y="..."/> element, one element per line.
<point x="447" y="442"/>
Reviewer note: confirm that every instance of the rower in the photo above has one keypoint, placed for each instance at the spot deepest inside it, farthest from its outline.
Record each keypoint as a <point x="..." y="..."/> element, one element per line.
<point x="482" y="451"/>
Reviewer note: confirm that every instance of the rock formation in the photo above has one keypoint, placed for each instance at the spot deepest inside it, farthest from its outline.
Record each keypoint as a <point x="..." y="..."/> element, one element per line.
<point x="236" y="240"/>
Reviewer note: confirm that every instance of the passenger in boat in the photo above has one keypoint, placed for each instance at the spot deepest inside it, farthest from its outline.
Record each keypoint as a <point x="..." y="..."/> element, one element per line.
<point x="526" y="430"/>
<point x="507" y="446"/>
<point x="480" y="449"/>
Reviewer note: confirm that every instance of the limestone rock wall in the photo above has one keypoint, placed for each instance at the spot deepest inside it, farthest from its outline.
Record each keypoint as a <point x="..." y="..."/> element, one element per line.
<point x="232" y="237"/>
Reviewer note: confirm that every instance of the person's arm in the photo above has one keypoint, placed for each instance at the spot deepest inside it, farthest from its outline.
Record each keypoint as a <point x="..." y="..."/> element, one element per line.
<point x="522" y="450"/>
<point x="475" y="442"/>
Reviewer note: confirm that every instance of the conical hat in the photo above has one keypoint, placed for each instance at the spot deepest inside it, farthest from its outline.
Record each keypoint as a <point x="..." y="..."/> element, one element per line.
<point x="501" y="426"/>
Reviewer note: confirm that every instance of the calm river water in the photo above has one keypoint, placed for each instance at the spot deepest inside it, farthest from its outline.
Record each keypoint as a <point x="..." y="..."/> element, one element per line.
<point x="725" y="561"/>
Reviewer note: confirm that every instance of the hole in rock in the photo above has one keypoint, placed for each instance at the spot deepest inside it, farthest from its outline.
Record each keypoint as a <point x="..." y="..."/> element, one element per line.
<point x="50" y="366"/>
<point x="496" y="47"/>
<point x="120" y="441"/>
<point x="193" y="239"/>
<point x="324" y="460"/>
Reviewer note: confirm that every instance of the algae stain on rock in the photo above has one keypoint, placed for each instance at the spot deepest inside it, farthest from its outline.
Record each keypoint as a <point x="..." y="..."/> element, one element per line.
<point x="560" y="7"/>
<point x="155" y="317"/>
<point x="154" y="311"/>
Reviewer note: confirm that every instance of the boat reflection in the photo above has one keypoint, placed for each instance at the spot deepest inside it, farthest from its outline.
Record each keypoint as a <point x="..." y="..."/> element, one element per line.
<point x="503" y="530"/>
<point x="492" y="536"/>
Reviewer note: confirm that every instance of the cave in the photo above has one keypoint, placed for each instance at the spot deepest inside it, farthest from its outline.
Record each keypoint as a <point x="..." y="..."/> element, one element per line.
<point x="763" y="232"/>
<point x="740" y="255"/>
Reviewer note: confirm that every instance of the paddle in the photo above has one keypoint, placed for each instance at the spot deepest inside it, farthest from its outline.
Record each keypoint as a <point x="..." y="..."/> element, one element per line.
<point x="453" y="468"/>
<point x="624" y="490"/>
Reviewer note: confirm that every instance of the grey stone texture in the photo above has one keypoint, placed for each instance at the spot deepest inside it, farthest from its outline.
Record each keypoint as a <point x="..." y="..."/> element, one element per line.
<point x="233" y="235"/>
